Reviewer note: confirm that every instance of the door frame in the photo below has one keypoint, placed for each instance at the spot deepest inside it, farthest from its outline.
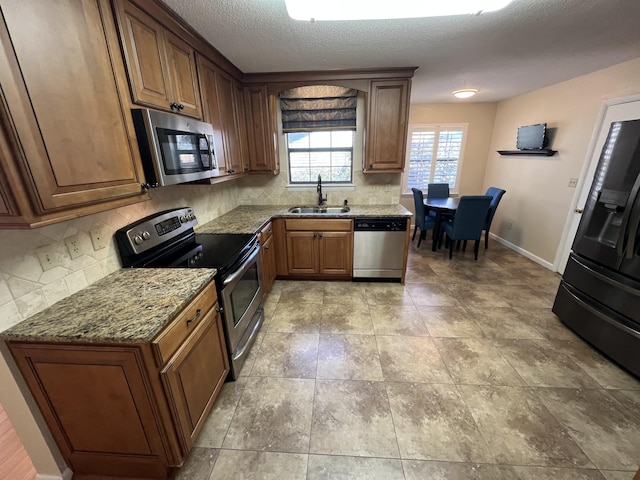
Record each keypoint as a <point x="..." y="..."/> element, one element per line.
<point x="598" y="137"/>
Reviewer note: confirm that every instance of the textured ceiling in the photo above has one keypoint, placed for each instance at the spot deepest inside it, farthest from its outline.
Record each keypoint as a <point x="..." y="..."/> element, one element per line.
<point x="528" y="45"/>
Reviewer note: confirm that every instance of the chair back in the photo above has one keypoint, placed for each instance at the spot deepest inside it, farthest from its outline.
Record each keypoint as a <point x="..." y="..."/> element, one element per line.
<point x="496" y="194"/>
<point x="470" y="216"/>
<point x="438" y="190"/>
<point x="418" y="202"/>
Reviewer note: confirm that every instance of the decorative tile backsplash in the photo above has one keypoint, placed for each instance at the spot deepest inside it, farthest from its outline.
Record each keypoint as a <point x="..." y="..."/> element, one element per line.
<point x="25" y="289"/>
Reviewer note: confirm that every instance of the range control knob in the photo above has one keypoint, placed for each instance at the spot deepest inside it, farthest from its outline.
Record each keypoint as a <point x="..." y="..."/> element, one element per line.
<point x="183" y="219"/>
<point x="138" y="240"/>
<point x="146" y="235"/>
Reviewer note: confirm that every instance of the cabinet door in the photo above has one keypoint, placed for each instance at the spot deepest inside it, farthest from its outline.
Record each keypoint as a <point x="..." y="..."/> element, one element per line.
<point x="228" y="111"/>
<point x="241" y="127"/>
<point x="387" y="126"/>
<point x="262" y="132"/>
<point x="184" y="78"/>
<point x="143" y="40"/>
<point x="195" y="375"/>
<point x="302" y="253"/>
<point x="336" y="253"/>
<point x="65" y="93"/>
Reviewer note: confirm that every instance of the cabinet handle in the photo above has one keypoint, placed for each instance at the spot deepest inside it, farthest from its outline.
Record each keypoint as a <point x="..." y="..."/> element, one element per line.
<point x="266" y="247"/>
<point x="219" y="309"/>
<point x="320" y="235"/>
<point x="173" y="105"/>
<point x="180" y="107"/>
<point x="198" y="313"/>
<point x="314" y="234"/>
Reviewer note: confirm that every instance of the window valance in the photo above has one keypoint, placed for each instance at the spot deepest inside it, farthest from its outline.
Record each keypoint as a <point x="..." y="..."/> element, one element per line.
<point x="319" y="107"/>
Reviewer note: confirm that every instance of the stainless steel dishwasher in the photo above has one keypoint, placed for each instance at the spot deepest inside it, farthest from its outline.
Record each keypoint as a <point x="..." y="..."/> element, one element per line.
<point x="378" y="247"/>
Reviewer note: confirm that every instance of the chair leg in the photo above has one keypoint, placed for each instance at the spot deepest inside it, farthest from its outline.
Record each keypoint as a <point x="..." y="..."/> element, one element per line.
<point x="486" y="239"/>
<point x="451" y="242"/>
<point x="476" y="246"/>
<point x="458" y="245"/>
<point x="421" y="237"/>
<point x="415" y="229"/>
<point x="464" y="245"/>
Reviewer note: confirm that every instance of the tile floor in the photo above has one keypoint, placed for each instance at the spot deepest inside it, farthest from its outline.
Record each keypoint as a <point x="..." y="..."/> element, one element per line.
<point x="462" y="373"/>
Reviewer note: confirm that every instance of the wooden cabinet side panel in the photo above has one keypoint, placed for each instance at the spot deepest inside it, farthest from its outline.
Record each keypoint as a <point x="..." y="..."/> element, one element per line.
<point x="97" y="405"/>
<point x="280" y="239"/>
<point x="228" y="113"/>
<point x="79" y="142"/>
<point x="387" y="125"/>
<point x="145" y="55"/>
<point x="336" y="253"/>
<point x="182" y="67"/>
<point x="302" y="254"/>
<point x="194" y="376"/>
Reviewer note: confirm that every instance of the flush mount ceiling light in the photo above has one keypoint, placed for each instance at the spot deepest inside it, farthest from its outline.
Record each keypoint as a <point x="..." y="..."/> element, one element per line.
<point x="312" y="10"/>
<point x="464" y="93"/>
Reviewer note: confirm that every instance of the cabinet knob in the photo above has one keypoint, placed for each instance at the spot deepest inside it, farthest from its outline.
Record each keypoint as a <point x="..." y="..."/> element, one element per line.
<point x="180" y="107"/>
<point x="266" y="247"/>
<point x="173" y="105"/>
<point x="219" y="309"/>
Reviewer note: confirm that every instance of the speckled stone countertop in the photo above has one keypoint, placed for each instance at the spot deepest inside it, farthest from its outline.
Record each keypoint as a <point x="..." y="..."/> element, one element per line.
<point x="250" y="218"/>
<point x="128" y="306"/>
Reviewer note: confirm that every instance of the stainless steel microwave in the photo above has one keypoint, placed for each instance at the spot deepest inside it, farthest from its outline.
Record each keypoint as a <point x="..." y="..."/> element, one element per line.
<point x="174" y="149"/>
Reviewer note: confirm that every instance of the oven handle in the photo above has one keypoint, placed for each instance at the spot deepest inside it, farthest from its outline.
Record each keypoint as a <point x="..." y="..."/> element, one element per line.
<point x="235" y="275"/>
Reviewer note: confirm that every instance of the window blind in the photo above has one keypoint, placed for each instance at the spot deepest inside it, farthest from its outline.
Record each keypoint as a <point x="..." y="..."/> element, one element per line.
<point x="319" y="107"/>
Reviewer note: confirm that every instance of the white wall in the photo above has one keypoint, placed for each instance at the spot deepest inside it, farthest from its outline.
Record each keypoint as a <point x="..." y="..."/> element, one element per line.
<point x="538" y="197"/>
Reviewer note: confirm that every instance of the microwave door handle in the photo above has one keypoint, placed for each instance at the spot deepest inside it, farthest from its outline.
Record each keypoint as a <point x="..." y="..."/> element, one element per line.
<point x="621" y="244"/>
<point x="210" y="150"/>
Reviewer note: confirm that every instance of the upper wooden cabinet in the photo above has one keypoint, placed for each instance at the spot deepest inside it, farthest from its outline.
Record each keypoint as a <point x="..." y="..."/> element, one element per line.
<point x="387" y="122"/>
<point x="66" y="135"/>
<point x="262" y="130"/>
<point x="221" y="109"/>
<point x="161" y="66"/>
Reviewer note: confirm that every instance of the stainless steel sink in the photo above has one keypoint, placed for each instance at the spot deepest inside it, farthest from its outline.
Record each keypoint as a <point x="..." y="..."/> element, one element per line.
<point x="329" y="210"/>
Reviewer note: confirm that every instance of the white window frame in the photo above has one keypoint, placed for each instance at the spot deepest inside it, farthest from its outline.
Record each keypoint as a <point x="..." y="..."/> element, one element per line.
<point x="437" y="128"/>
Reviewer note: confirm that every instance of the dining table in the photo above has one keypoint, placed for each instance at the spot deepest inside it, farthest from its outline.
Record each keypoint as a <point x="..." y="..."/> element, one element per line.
<point x="447" y="205"/>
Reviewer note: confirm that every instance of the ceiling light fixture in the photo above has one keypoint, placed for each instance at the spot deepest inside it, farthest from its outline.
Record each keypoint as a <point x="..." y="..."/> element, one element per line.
<point x="464" y="93"/>
<point x="312" y="10"/>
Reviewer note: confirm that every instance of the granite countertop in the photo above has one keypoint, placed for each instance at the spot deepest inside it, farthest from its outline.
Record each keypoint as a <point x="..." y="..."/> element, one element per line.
<point x="128" y="306"/>
<point x="251" y="218"/>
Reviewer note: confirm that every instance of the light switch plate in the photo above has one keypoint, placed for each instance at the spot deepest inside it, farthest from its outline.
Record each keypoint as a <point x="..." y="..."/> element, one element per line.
<point x="573" y="182"/>
<point x="47" y="257"/>
<point x="99" y="239"/>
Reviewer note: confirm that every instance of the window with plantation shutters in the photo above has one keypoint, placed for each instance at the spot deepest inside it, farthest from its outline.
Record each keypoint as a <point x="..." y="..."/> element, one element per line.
<point x="434" y="155"/>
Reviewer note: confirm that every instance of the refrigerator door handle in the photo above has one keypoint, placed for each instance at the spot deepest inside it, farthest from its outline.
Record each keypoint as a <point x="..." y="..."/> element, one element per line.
<point x="630" y="222"/>
<point x="634" y="223"/>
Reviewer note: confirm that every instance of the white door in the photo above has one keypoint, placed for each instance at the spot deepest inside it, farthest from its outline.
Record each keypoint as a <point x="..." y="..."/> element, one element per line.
<point x="615" y="110"/>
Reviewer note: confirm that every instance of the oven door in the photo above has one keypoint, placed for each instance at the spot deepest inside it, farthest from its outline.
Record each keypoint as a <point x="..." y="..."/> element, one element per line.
<point x="241" y="297"/>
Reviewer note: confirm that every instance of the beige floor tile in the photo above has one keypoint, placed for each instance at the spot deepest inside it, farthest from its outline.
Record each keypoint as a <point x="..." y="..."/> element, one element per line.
<point x="433" y="423"/>
<point x="217" y="423"/>
<point x="296" y="318"/>
<point x="520" y="430"/>
<point x="298" y="292"/>
<point x="431" y="295"/>
<point x="346" y="318"/>
<point x="541" y="363"/>
<point x="248" y="465"/>
<point x="524" y="296"/>
<point x="332" y="467"/>
<point x="387" y="294"/>
<point x="546" y="323"/>
<point x="602" y="370"/>
<point x="274" y="414"/>
<point x="476" y="361"/>
<point x="477" y="296"/>
<point x="608" y="434"/>
<point x="398" y="320"/>
<point x="421" y="272"/>
<point x="549" y="473"/>
<point x="348" y="357"/>
<point x="352" y="418"/>
<point x="450" y="322"/>
<point x="245" y="370"/>
<point x="411" y="359"/>
<point x="630" y="399"/>
<point x="498" y="322"/>
<point x="198" y="465"/>
<point x="616" y="475"/>
<point x="343" y="293"/>
<point x="423" y="470"/>
<point x="293" y="355"/>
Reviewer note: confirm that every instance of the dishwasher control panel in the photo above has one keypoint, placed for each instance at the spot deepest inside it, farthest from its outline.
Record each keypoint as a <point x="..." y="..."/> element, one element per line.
<point x="384" y="224"/>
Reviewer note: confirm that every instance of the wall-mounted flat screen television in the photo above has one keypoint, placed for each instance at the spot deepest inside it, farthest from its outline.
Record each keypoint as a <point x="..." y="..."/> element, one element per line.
<point x="532" y="137"/>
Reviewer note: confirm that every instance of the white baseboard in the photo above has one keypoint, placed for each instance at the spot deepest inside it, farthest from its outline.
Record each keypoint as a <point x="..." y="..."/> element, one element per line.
<point x="67" y="474"/>
<point x="523" y="252"/>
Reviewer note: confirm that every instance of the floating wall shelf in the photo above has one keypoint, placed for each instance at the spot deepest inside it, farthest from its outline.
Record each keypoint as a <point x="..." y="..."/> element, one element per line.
<point x="544" y="152"/>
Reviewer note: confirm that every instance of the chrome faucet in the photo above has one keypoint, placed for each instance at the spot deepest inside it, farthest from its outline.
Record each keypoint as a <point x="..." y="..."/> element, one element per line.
<point x="321" y="199"/>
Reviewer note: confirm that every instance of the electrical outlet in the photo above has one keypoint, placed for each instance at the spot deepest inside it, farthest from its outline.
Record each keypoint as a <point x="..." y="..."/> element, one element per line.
<point x="99" y="239"/>
<point x="74" y="246"/>
<point x="47" y="257"/>
<point x="573" y="182"/>
<point x="509" y="225"/>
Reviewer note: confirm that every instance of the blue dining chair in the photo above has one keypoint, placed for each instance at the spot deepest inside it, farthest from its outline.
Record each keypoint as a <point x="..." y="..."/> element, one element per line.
<point x="496" y="195"/>
<point x="437" y="190"/>
<point x="423" y="221"/>
<point x="468" y="222"/>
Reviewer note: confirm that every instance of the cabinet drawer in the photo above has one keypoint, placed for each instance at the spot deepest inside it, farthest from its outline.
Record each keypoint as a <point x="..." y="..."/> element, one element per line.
<point x="170" y="339"/>
<point x="318" y="224"/>
<point x="266" y="232"/>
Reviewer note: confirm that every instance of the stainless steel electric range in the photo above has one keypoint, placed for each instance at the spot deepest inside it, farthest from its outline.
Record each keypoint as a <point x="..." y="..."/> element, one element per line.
<point x="167" y="239"/>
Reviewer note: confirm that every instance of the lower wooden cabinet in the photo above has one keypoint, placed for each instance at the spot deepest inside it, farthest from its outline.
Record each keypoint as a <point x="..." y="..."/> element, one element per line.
<point x="123" y="410"/>
<point x="267" y="257"/>
<point x="319" y="248"/>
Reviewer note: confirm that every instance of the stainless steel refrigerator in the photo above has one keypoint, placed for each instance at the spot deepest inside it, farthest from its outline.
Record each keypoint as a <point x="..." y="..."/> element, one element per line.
<point x="599" y="296"/>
